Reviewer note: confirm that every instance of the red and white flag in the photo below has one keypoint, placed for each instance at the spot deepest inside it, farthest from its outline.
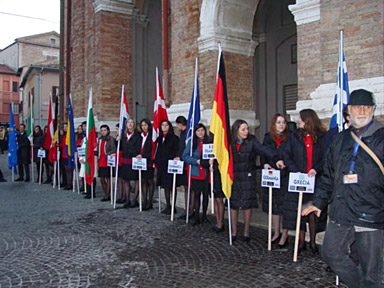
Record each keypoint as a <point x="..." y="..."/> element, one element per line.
<point x="50" y="132"/>
<point x="159" y="113"/>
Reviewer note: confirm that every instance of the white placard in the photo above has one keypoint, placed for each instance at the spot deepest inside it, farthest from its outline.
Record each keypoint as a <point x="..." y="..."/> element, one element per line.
<point x="175" y="166"/>
<point x="139" y="164"/>
<point x="301" y="182"/>
<point x="41" y="153"/>
<point x="208" y="152"/>
<point x="270" y="178"/>
<point x="111" y="161"/>
<point x="81" y="152"/>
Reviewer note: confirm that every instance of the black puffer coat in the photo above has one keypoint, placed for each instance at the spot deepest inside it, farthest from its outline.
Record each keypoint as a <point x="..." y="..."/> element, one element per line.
<point x="38" y="142"/>
<point x="244" y="172"/>
<point x="359" y="204"/>
<point x="295" y="158"/>
<point x="277" y="194"/>
<point x="166" y="150"/>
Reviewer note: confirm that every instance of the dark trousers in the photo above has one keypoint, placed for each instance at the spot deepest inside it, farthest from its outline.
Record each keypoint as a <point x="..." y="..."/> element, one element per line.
<point x="22" y="168"/>
<point x="369" y="245"/>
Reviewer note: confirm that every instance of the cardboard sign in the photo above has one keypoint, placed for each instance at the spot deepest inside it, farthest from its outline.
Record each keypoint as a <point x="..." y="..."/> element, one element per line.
<point x="111" y="161"/>
<point x="208" y="152"/>
<point x="41" y="153"/>
<point x="270" y="178"/>
<point x="301" y="182"/>
<point x="81" y="152"/>
<point x="175" y="166"/>
<point x="139" y="164"/>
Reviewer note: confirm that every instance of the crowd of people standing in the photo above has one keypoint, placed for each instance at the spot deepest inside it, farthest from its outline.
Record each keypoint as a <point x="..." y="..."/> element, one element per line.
<point x="301" y="150"/>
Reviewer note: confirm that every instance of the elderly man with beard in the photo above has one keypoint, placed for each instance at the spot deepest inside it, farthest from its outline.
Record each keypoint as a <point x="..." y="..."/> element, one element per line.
<point x="353" y="185"/>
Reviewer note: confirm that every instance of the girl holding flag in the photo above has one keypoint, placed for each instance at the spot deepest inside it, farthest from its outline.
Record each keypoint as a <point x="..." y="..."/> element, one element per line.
<point x="199" y="174"/>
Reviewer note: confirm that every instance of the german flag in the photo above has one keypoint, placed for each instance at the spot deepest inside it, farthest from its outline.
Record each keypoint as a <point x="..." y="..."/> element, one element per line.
<point x="221" y="129"/>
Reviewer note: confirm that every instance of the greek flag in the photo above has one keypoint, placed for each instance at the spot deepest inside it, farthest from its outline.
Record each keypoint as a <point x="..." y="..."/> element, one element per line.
<point x="342" y="90"/>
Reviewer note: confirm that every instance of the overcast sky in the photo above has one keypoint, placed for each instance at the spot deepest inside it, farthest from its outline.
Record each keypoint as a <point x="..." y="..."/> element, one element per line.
<point x="19" y="18"/>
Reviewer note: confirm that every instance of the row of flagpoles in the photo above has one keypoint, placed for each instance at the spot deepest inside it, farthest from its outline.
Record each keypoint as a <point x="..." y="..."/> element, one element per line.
<point x="220" y="127"/>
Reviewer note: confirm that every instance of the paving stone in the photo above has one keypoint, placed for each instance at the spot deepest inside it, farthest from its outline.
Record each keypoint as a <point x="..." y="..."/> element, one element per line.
<point x="51" y="238"/>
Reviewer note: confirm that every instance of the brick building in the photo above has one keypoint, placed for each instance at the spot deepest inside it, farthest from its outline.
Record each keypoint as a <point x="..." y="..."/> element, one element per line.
<point x="281" y="56"/>
<point x="35" y="58"/>
<point x="9" y="94"/>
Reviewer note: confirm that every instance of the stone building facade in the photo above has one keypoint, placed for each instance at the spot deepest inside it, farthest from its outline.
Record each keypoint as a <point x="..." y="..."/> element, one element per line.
<point x="280" y="56"/>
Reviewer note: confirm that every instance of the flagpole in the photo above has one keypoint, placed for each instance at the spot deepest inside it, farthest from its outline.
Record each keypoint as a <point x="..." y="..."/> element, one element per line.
<point x="229" y="221"/>
<point x="77" y="173"/>
<point x="31" y="125"/>
<point x="118" y="147"/>
<point x="341" y="88"/>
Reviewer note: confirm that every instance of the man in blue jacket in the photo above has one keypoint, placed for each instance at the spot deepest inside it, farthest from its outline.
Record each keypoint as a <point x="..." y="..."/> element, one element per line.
<point x="353" y="185"/>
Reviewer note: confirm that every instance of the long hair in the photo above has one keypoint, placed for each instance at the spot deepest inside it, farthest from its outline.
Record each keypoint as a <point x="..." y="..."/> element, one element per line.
<point x="312" y="124"/>
<point x="235" y="129"/>
<point x="195" y="140"/>
<point x="126" y="126"/>
<point x="148" y="122"/>
<point x="170" y="131"/>
<point x="38" y="133"/>
<point x="273" y="129"/>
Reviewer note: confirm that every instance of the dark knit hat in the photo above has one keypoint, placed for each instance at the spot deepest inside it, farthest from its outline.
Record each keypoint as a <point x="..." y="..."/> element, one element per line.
<point x="361" y="97"/>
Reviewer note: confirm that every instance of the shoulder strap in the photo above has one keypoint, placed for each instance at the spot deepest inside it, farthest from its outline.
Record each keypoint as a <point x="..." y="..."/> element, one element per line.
<point x="369" y="151"/>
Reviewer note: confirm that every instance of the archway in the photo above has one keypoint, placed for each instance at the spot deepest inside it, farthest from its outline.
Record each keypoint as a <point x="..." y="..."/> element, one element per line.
<point x="275" y="61"/>
<point x="147" y="51"/>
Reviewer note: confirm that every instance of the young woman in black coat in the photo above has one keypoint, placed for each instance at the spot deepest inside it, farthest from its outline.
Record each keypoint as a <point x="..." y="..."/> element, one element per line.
<point x="245" y="149"/>
<point x="167" y="148"/>
<point x="304" y="154"/>
<point x="38" y="143"/>
<point x="145" y="148"/>
<point x="129" y="146"/>
<point x="275" y="139"/>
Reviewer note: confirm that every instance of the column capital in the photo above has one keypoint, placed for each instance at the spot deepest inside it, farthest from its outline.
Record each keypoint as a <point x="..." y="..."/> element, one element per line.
<point x="305" y="11"/>
<point x="116" y="6"/>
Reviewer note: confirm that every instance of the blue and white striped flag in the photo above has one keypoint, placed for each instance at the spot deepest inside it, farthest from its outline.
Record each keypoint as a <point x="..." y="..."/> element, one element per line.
<point x="342" y="90"/>
<point x="194" y="108"/>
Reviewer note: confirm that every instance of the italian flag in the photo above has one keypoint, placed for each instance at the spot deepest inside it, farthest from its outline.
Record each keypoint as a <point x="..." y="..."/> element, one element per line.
<point x="91" y="144"/>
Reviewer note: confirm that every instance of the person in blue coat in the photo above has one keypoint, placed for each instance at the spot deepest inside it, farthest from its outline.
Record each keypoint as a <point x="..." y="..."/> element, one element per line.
<point x="199" y="174"/>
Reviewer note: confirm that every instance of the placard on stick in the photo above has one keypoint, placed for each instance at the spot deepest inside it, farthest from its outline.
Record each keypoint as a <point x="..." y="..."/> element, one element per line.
<point x="139" y="164"/>
<point x="111" y="161"/>
<point x="81" y="152"/>
<point x="270" y="178"/>
<point x="41" y="153"/>
<point x="208" y="152"/>
<point x="301" y="182"/>
<point x="175" y="166"/>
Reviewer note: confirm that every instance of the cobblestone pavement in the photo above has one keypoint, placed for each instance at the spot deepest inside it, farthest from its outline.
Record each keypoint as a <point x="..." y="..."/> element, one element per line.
<point x="51" y="238"/>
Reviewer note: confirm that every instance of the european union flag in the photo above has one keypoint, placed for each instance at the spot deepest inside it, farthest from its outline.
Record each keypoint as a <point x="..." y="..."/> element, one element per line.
<point x="194" y="108"/>
<point x="12" y="144"/>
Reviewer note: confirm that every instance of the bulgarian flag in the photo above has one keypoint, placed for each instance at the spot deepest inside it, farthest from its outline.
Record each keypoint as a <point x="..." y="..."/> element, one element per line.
<point x="159" y="113"/>
<point x="91" y="144"/>
<point x="221" y="129"/>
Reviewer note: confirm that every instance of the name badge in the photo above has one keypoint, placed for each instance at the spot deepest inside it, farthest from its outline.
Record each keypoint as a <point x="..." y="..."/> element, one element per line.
<point x="350" y="179"/>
